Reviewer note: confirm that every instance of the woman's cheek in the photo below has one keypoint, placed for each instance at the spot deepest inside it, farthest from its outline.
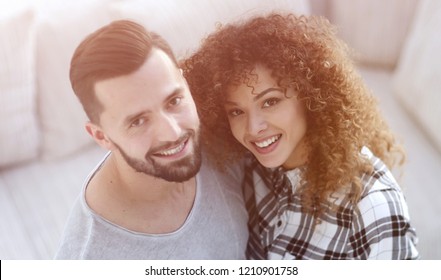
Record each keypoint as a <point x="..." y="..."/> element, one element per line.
<point x="235" y="129"/>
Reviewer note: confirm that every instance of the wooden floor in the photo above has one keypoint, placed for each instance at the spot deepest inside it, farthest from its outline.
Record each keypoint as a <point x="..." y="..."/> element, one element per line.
<point x="32" y="217"/>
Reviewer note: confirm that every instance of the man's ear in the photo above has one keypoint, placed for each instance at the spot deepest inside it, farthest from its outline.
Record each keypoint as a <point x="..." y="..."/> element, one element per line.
<point x="98" y="135"/>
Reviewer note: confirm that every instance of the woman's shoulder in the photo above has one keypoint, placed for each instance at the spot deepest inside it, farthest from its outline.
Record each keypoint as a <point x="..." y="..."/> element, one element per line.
<point x="378" y="187"/>
<point x="381" y="192"/>
<point x="380" y="179"/>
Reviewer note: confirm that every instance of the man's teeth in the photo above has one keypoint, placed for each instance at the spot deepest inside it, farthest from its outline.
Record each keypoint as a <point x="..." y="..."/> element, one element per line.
<point x="267" y="142"/>
<point x="173" y="151"/>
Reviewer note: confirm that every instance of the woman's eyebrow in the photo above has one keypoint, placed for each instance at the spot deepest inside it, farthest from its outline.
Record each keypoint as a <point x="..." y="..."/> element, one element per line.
<point x="268" y="90"/>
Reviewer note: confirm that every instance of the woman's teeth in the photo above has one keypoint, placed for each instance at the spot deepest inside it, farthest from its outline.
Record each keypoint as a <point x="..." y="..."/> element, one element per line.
<point x="173" y="151"/>
<point x="267" y="142"/>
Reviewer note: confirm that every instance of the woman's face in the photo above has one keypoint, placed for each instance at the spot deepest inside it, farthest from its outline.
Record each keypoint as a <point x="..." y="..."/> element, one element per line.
<point x="268" y="121"/>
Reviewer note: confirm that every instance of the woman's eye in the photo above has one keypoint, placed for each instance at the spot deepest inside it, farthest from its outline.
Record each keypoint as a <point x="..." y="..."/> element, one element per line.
<point x="270" y="102"/>
<point x="234" y="112"/>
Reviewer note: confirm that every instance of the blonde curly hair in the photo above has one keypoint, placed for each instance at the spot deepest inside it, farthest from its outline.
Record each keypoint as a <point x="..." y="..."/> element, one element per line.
<point x="303" y="53"/>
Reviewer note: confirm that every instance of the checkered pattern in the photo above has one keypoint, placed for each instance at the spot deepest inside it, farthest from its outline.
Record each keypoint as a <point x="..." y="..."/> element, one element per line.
<point x="376" y="227"/>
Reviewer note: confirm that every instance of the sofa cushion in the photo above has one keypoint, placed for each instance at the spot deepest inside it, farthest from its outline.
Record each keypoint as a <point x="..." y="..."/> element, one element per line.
<point x="417" y="82"/>
<point x="375" y="29"/>
<point x="61" y="27"/>
<point x="19" y="135"/>
<point x="184" y="23"/>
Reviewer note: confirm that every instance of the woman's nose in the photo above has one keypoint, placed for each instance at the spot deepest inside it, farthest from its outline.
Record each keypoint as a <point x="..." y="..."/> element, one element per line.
<point x="256" y="124"/>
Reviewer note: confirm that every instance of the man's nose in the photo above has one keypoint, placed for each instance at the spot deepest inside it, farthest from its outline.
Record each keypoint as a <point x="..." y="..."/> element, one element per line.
<point x="168" y="128"/>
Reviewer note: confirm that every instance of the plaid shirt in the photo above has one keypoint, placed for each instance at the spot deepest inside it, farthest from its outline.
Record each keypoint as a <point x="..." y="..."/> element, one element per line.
<point x="376" y="227"/>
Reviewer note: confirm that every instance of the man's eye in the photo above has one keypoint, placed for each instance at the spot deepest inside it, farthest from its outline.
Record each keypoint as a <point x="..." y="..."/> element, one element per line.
<point x="175" y="101"/>
<point x="270" y="102"/>
<point x="138" y="122"/>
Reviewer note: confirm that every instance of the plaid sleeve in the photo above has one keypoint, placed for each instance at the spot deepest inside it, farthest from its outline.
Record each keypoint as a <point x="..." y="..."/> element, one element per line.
<point x="381" y="225"/>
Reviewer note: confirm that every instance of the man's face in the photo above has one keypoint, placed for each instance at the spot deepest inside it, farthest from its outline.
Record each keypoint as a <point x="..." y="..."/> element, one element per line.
<point x="151" y="121"/>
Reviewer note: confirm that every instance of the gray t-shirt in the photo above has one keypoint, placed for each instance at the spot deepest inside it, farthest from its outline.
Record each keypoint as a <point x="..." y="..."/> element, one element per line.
<point x="216" y="227"/>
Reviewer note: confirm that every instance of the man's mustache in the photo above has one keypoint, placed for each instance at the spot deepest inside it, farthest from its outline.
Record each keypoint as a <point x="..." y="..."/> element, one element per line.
<point x="169" y="145"/>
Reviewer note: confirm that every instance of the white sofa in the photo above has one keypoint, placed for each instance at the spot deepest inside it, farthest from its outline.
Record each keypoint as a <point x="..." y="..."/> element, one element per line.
<point x="45" y="153"/>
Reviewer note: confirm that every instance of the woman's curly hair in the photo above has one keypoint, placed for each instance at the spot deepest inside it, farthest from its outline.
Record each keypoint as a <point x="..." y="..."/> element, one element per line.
<point x="303" y="53"/>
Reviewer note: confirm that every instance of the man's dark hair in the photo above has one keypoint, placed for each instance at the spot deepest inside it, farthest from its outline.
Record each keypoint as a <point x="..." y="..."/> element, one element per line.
<point x="114" y="50"/>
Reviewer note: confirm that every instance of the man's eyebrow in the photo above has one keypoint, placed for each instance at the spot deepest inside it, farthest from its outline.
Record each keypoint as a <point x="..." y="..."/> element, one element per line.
<point x="268" y="90"/>
<point x="128" y="120"/>
<point x="177" y="90"/>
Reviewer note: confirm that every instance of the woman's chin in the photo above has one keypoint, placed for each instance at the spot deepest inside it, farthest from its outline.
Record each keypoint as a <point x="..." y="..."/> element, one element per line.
<point x="268" y="163"/>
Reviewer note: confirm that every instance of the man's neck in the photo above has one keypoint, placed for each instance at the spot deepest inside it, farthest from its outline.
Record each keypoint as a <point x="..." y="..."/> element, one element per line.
<point x="138" y="201"/>
<point x="138" y="185"/>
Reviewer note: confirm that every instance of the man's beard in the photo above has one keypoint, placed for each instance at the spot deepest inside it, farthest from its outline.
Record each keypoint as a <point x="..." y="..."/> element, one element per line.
<point x="179" y="171"/>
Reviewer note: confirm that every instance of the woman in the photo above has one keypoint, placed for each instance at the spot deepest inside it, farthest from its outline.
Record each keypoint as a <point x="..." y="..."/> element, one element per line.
<point x="318" y="184"/>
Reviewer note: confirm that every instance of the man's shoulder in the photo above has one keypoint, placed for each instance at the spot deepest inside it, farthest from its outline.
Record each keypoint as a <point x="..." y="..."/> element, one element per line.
<point x="232" y="171"/>
<point x="76" y="232"/>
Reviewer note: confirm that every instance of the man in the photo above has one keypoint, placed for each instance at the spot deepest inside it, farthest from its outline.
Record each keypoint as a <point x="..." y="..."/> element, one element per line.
<point x="150" y="198"/>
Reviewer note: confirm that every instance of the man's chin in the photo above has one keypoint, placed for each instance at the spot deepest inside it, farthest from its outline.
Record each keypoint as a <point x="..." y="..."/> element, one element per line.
<point x="180" y="171"/>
